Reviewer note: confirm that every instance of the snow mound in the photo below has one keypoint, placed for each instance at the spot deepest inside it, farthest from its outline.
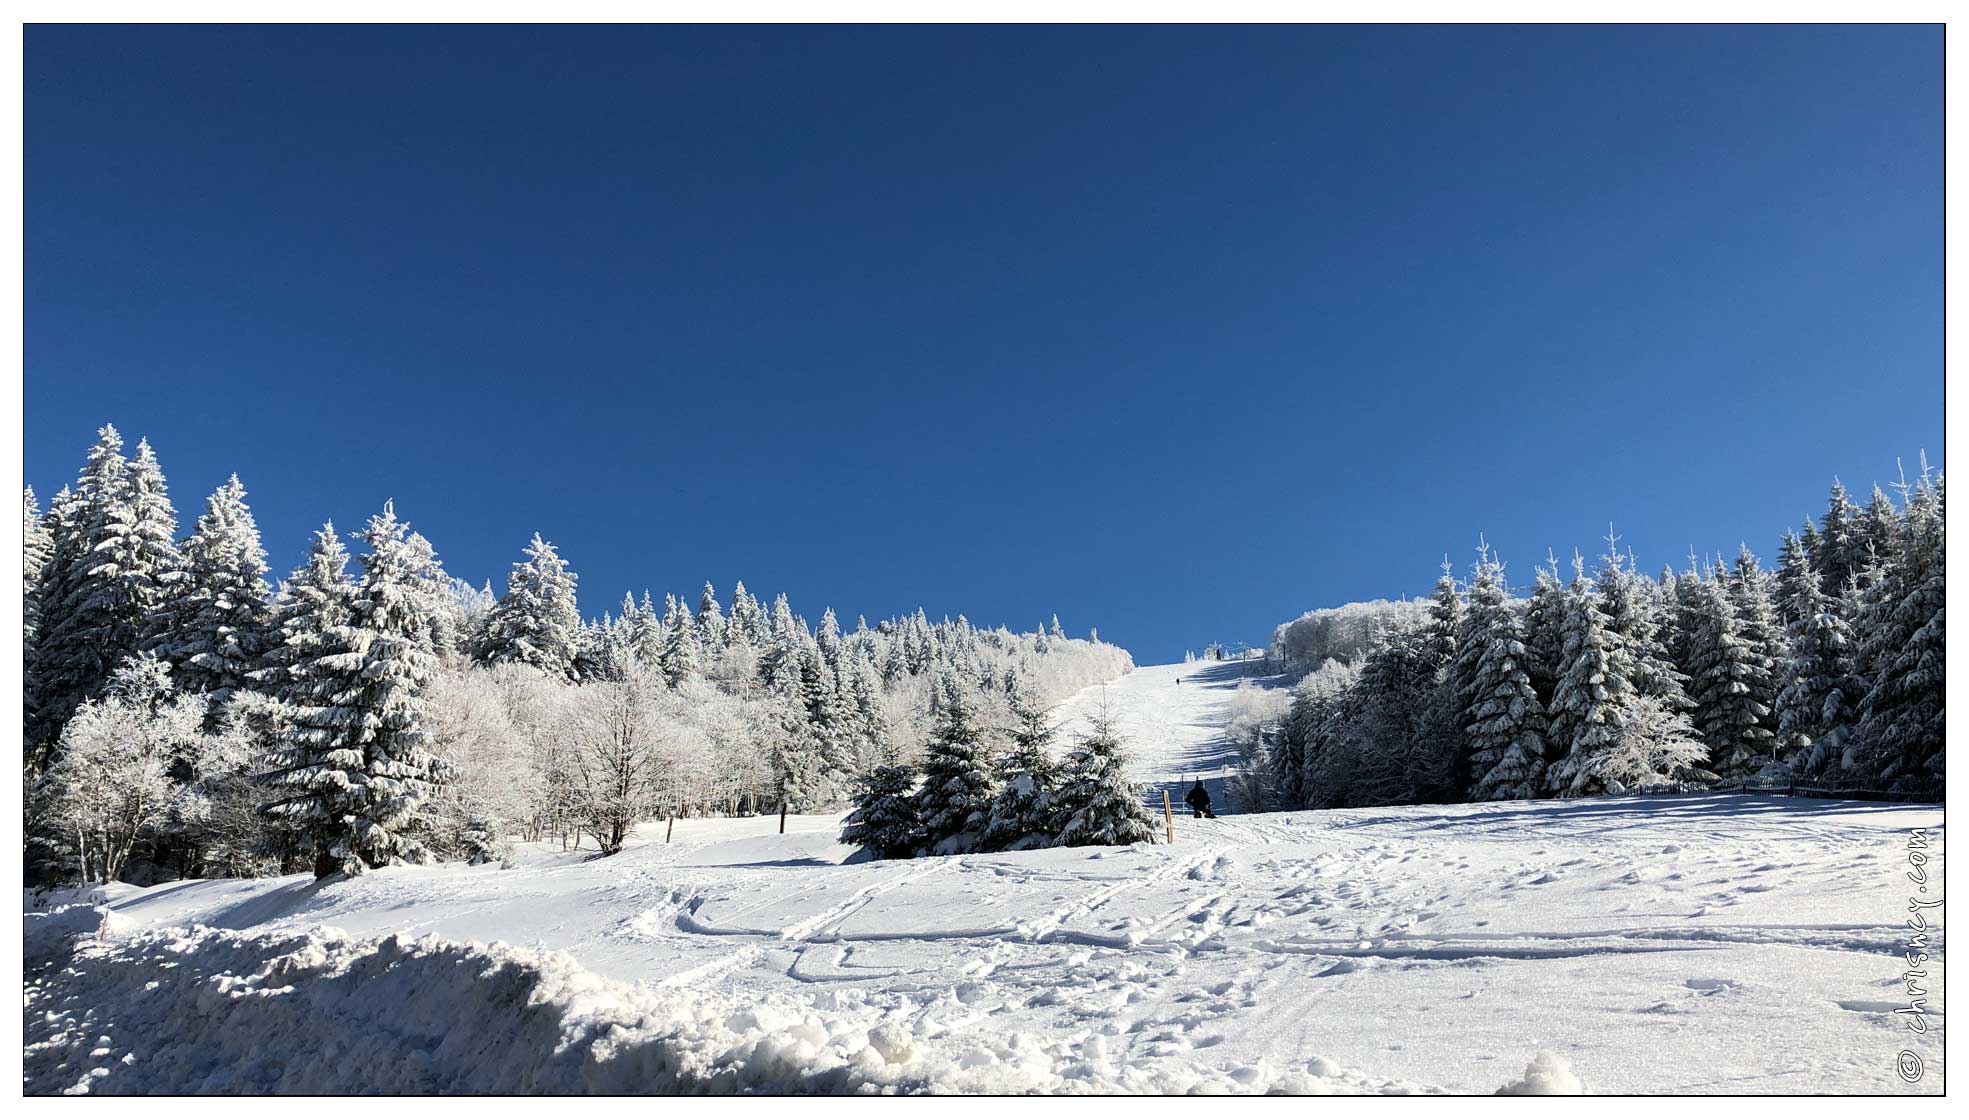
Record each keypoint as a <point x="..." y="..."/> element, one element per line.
<point x="1548" y="1075"/>
<point x="199" y="1010"/>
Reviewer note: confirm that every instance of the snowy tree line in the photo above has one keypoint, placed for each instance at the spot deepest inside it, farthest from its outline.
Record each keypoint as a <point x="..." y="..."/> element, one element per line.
<point x="975" y="791"/>
<point x="182" y="717"/>
<point x="1827" y="670"/>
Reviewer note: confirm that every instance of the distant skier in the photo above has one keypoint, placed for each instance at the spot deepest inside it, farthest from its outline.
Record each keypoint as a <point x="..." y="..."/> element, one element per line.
<point x="1199" y="801"/>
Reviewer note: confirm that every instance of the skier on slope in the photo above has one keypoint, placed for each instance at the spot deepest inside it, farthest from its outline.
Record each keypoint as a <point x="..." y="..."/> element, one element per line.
<point x="1198" y="800"/>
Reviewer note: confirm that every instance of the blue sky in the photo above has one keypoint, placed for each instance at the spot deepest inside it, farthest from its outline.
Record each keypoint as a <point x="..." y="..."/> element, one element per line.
<point x="1175" y="332"/>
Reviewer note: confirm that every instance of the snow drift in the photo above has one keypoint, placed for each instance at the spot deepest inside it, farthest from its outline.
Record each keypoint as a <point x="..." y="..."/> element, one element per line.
<point x="197" y="1010"/>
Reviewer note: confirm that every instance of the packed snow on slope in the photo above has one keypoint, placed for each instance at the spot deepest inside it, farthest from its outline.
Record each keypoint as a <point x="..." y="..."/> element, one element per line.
<point x="206" y="1011"/>
<point x="1689" y="943"/>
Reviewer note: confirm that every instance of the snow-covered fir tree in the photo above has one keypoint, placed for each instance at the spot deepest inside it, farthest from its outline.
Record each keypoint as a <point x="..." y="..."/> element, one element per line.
<point x="352" y="766"/>
<point x="1901" y="730"/>
<point x="214" y="627"/>
<point x="312" y="602"/>
<point x="536" y="622"/>
<point x="1821" y="697"/>
<point x="680" y="657"/>
<point x="112" y="556"/>
<point x="1022" y="814"/>
<point x="1503" y="724"/>
<point x="885" y="821"/>
<point x="1751" y="591"/>
<point x="710" y="619"/>
<point x="1545" y="631"/>
<point x="955" y="800"/>
<point x="1097" y="800"/>
<point x="1839" y="552"/>
<point x="1628" y="605"/>
<point x="747" y="620"/>
<point x="1727" y="675"/>
<point x="37" y="542"/>
<point x="1592" y="700"/>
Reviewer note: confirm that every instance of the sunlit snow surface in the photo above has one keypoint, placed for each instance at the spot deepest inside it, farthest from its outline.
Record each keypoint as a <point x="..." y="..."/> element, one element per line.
<point x="1668" y="944"/>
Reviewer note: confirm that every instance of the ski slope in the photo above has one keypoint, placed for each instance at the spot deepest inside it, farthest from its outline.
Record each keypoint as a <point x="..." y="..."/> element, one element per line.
<point x="1171" y="718"/>
<point x="1722" y="944"/>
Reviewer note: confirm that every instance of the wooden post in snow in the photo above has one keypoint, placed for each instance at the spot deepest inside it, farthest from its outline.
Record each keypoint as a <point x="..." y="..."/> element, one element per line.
<point x="671" y="825"/>
<point x="782" y="815"/>
<point x="1168" y="818"/>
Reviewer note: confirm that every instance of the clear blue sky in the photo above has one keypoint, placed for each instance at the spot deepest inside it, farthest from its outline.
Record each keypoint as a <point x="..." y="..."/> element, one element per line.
<point x="1176" y="332"/>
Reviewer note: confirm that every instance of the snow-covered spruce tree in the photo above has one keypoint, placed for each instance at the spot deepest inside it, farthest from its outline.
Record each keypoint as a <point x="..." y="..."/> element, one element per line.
<point x="1098" y="801"/>
<point x="747" y="621"/>
<point x="799" y="775"/>
<point x="36" y="544"/>
<point x="1445" y="617"/>
<point x="1794" y="567"/>
<point x="1503" y="723"/>
<point x="1821" y="696"/>
<point x="1877" y="531"/>
<point x="864" y="701"/>
<point x="214" y="627"/>
<point x="1545" y="631"/>
<point x="832" y="719"/>
<point x="1314" y="724"/>
<point x="536" y="622"/>
<point x="1839" y="552"/>
<point x="1627" y="606"/>
<point x="312" y="602"/>
<point x="1399" y="757"/>
<point x="1592" y="700"/>
<point x="1022" y="814"/>
<point x="1727" y="675"/>
<point x="1751" y="595"/>
<point x="885" y="821"/>
<point x="444" y="605"/>
<point x="955" y="801"/>
<point x="1900" y="735"/>
<point x="680" y="647"/>
<point x="710" y="619"/>
<point x="352" y="767"/>
<point x="112" y="570"/>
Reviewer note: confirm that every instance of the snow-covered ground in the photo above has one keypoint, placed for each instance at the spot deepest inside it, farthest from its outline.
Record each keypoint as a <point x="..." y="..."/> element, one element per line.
<point x="1668" y="944"/>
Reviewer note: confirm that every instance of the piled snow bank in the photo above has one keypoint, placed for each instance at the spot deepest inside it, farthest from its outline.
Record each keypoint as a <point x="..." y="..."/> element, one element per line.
<point x="1548" y="1075"/>
<point x="196" y="1010"/>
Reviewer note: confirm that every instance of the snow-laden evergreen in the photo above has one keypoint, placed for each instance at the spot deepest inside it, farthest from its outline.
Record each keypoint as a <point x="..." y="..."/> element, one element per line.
<point x="37" y="544"/>
<point x="1591" y="704"/>
<point x="1838" y="553"/>
<point x="1751" y="593"/>
<point x="1728" y="675"/>
<point x="112" y="558"/>
<point x="536" y="622"/>
<point x="680" y="645"/>
<point x="955" y="800"/>
<point x="710" y="619"/>
<point x="1503" y="723"/>
<point x="352" y="765"/>
<point x="1022" y="814"/>
<point x="1631" y="605"/>
<point x="213" y="629"/>
<point x="1822" y="693"/>
<point x="1098" y="801"/>
<point x="1901" y="725"/>
<point x="885" y="820"/>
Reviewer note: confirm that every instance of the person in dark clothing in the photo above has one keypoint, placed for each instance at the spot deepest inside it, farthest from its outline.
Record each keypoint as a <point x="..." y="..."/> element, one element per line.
<point x="1198" y="800"/>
